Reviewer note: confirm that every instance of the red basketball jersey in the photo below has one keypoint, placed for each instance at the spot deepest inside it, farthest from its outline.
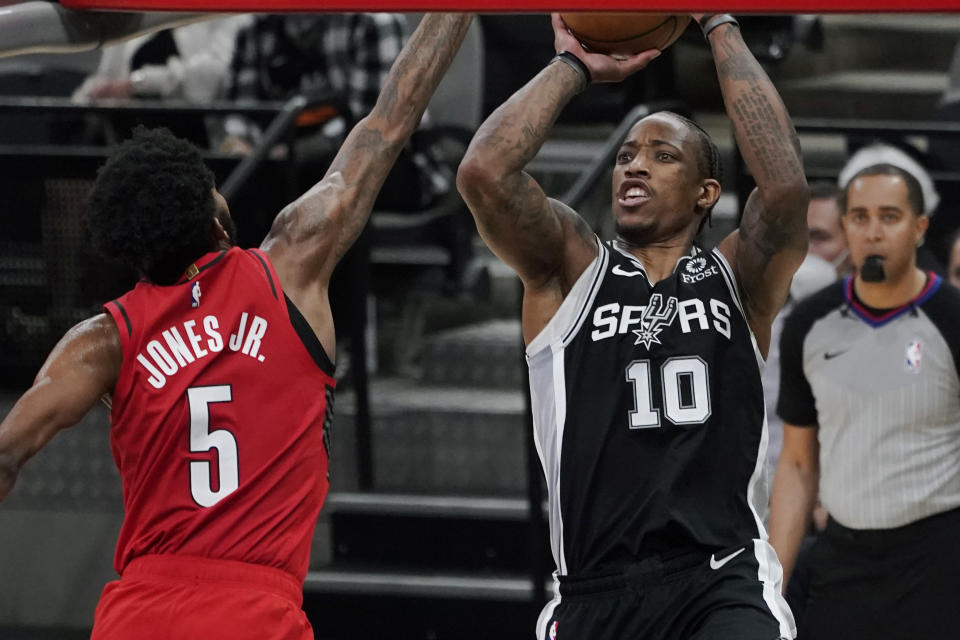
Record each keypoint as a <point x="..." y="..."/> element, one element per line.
<point x="219" y="417"/>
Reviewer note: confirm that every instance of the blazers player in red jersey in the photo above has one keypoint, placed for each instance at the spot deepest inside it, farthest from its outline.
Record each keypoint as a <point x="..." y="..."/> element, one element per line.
<point x="645" y="352"/>
<point x="218" y="368"/>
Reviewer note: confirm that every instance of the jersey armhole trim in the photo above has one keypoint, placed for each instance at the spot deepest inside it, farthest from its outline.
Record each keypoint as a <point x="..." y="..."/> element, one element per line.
<point x="731" y="279"/>
<point x="309" y="339"/>
<point x="594" y="286"/>
<point x="552" y="331"/>
<point x="123" y="314"/>
<point x="269" y="274"/>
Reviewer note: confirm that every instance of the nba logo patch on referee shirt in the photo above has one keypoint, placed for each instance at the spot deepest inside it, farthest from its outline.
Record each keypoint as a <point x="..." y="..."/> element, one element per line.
<point x="553" y="630"/>
<point x="914" y="353"/>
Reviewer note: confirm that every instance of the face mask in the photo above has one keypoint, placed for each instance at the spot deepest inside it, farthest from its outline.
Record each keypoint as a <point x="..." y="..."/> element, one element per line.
<point x="836" y="262"/>
<point x="872" y="269"/>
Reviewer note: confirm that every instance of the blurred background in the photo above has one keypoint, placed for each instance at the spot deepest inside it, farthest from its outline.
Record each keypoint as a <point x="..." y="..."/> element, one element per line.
<point x="434" y="526"/>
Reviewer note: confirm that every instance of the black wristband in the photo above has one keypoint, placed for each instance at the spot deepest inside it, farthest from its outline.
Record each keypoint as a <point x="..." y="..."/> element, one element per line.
<point x="577" y="65"/>
<point x="709" y="23"/>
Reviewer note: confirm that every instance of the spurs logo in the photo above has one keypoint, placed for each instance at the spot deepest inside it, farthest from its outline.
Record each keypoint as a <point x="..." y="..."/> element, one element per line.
<point x="656" y="317"/>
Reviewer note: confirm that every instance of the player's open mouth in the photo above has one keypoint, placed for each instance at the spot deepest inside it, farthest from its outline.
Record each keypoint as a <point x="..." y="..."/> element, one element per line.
<point x="633" y="193"/>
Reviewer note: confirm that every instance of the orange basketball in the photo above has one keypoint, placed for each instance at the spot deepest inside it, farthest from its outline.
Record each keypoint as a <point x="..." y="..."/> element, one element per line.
<point x="624" y="34"/>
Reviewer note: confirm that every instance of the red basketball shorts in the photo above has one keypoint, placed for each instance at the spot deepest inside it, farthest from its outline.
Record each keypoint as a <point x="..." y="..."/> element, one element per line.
<point x="165" y="597"/>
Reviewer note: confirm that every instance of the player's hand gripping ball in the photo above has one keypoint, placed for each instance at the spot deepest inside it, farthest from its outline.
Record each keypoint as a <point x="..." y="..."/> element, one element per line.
<point x="622" y="35"/>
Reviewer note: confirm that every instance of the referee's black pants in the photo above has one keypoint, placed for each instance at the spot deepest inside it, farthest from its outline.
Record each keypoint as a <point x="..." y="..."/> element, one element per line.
<point x="880" y="584"/>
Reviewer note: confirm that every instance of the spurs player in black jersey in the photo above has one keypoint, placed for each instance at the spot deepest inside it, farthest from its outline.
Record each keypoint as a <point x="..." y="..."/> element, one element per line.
<point x="645" y="352"/>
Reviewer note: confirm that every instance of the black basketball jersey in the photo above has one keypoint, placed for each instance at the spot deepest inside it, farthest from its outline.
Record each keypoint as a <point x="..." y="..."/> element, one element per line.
<point x="649" y="414"/>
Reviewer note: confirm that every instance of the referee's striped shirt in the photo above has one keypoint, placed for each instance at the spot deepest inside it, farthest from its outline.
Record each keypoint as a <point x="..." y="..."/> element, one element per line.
<point x="882" y="387"/>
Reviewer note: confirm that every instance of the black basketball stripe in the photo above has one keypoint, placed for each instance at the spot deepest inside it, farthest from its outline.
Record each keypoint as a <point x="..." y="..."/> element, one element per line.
<point x="597" y="279"/>
<point x="203" y="268"/>
<point x="126" y="318"/>
<point x="309" y="338"/>
<point x="266" y="270"/>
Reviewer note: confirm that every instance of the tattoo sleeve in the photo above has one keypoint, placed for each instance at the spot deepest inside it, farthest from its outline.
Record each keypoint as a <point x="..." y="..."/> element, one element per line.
<point x="311" y="234"/>
<point x="762" y="126"/>
<point x="371" y="149"/>
<point x="514" y="216"/>
<point x="772" y="237"/>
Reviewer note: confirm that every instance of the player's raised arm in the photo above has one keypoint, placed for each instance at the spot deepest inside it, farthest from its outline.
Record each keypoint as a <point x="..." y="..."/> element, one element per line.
<point x="544" y="241"/>
<point x="772" y="239"/>
<point x="80" y="370"/>
<point x="312" y="233"/>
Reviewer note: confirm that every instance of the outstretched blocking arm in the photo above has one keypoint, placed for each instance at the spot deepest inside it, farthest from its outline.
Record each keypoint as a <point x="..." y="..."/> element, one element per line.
<point x="312" y="233"/>
<point x="772" y="239"/>
<point x="543" y="240"/>
<point x="78" y="372"/>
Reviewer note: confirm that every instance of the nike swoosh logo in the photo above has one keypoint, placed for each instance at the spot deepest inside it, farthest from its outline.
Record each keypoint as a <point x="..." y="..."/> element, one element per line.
<point x="831" y="356"/>
<point x="620" y="272"/>
<point x="716" y="564"/>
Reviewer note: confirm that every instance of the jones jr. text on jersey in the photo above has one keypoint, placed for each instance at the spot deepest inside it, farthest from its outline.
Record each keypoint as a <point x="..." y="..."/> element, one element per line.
<point x="177" y="350"/>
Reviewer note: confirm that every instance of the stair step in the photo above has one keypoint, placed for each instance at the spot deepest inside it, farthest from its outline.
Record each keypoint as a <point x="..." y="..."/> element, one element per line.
<point x="448" y="532"/>
<point x="890" y="42"/>
<point x="349" y="603"/>
<point x="903" y="23"/>
<point x="418" y="505"/>
<point x="485" y="355"/>
<point x="436" y="440"/>
<point x="396" y="395"/>
<point x="867" y="81"/>
<point x="866" y="94"/>
<point x="444" y="586"/>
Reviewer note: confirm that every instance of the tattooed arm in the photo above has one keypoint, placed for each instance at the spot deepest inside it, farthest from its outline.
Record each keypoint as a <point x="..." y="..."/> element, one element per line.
<point x="772" y="239"/>
<point x="312" y="233"/>
<point x="543" y="240"/>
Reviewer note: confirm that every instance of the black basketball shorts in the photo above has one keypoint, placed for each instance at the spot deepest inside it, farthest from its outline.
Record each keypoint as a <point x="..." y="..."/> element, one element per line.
<point x="732" y="593"/>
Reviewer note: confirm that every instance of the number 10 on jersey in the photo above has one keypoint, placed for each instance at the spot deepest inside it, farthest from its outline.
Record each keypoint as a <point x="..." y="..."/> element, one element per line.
<point x="685" y="389"/>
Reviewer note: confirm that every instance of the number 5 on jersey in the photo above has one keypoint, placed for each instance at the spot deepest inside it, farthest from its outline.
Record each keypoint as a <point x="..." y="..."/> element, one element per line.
<point x="202" y="440"/>
<point x="685" y="388"/>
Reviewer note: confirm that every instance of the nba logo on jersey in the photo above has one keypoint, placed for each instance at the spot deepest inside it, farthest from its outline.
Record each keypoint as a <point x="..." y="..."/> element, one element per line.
<point x="914" y="351"/>
<point x="195" y="295"/>
<point x="553" y="630"/>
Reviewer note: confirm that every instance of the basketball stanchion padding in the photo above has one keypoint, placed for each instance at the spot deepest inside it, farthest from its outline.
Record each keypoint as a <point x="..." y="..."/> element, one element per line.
<point x="541" y="6"/>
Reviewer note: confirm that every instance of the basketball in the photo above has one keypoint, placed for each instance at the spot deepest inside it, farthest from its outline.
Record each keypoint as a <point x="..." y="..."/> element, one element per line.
<point x="624" y="34"/>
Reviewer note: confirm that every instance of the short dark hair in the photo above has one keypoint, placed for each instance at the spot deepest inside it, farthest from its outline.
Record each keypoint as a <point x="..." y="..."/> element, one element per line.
<point x="708" y="158"/>
<point x="914" y="191"/>
<point x="151" y="206"/>
<point x="708" y="155"/>
<point x="826" y="190"/>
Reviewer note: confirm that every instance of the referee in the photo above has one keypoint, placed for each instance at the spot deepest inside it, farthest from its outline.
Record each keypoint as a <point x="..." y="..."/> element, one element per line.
<point x="870" y="399"/>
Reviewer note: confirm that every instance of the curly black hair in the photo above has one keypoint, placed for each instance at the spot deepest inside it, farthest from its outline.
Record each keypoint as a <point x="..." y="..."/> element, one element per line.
<point x="151" y="206"/>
